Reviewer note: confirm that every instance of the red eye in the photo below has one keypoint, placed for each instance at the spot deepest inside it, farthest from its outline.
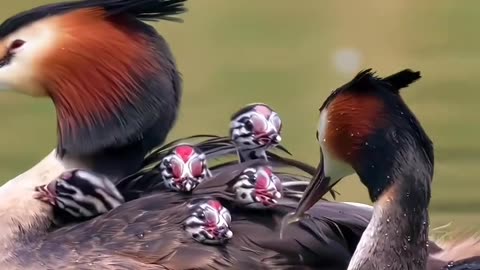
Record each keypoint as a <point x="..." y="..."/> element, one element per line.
<point x="16" y="44"/>
<point x="276" y="121"/>
<point x="177" y="168"/>
<point x="259" y="124"/>
<point x="196" y="167"/>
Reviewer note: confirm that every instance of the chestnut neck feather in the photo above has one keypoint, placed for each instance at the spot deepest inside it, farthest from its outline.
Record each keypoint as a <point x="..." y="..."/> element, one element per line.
<point x="350" y="116"/>
<point x="113" y="80"/>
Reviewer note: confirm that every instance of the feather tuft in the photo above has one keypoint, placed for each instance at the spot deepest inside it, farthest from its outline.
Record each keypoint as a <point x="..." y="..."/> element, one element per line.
<point x="402" y="79"/>
<point x="140" y="9"/>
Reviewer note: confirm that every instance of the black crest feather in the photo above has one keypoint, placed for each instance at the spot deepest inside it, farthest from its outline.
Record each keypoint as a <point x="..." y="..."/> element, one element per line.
<point x="367" y="80"/>
<point x="403" y="78"/>
<point x="141" y="9"/>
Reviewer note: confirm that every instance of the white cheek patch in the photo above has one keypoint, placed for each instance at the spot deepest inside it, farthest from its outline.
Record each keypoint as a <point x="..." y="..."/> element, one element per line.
<point x="21" y="73"/>
<point x="334" y="168"/>
<point x="322" y="127"/>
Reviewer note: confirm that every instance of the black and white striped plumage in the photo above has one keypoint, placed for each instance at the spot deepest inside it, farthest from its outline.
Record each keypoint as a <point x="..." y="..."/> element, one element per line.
<point x="254" y="129"/>
<point x="209" y="222"/>
<point x="80" y="194"/>
<point x="257" y="187"/>
<point x="254" y="132"/>
<point x="184" y="168"/>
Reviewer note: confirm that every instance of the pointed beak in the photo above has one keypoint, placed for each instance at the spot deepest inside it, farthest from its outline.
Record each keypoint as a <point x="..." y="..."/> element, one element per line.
<point x="221" y="235"/>
<point x="51" y="187"/>
<point x="276" y="138"/>
<point x="46" y="193"/>
<point x="318" y="187"/>
<point x="271" y="138"/>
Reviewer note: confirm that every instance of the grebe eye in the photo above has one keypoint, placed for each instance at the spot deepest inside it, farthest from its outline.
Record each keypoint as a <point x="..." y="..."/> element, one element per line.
<point x="16" y="44"/>
<point x="249" y="125"/>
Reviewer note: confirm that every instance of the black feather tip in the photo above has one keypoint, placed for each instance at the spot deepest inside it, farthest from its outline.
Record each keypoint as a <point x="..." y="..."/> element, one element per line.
<point x="151" y="10"/>
<point x="403" y="78"/>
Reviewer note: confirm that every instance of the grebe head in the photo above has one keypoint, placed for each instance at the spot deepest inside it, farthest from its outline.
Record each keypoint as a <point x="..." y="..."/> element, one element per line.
<point x="184" y="168"/>
<point x="257" y="187"/>
<point x="209" y="222"/>
<point x="80" y="194"/>
<point x="255" y="126"/>
<point x="366" y="128"/>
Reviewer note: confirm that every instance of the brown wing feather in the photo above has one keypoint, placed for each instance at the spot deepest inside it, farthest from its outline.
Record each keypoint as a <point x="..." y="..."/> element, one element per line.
<point x="147" y="233"/>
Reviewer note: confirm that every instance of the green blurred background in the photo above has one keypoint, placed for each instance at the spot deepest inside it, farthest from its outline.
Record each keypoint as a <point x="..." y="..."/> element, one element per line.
<point x="291" y="55"/>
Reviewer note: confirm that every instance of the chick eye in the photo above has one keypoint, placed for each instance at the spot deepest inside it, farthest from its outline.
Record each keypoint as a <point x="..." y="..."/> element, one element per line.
<point x="249" y="125"/>
<point x="16" y="44"/>
<point x="252" y="179"/>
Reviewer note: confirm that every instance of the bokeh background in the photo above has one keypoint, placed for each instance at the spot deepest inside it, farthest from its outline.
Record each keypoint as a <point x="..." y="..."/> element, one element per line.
<point x="291" y="55"/>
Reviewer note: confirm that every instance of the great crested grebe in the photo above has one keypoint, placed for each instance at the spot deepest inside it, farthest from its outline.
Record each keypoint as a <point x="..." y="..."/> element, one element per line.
<point x="366" y="128"/>
<point x="114" y="84"/>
